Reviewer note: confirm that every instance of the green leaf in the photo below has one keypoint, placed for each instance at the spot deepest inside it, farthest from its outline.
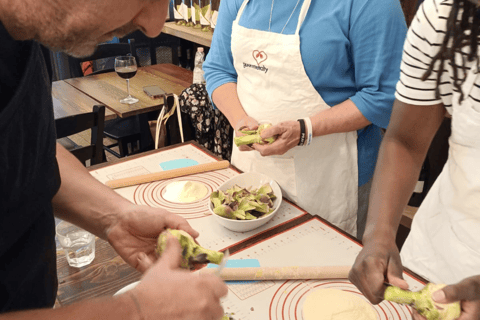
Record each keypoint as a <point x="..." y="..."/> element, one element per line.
<point x="249" y="216"/>
<point x="239" y="214"/>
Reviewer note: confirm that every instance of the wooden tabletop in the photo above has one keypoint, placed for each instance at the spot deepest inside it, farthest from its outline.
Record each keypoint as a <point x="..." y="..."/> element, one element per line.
<point x="109" y="88"/>
<point x="68" y="101"/>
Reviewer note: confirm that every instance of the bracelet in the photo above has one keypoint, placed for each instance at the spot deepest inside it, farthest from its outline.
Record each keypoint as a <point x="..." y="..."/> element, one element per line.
<point x="137" y="305"/>
<point x="302" y="132"/>
<point x="308" y="124"/>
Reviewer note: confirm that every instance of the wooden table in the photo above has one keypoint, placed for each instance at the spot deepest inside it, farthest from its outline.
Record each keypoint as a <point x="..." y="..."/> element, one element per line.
<point x="68" y="101"/>
<point x="77" y="95"/>
<point x="188" y="33"/>
<point x="109" y="88"/>
<point x="108" y="273"/>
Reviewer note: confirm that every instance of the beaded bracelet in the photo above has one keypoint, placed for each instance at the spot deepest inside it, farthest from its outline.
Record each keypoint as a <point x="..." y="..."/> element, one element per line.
<point x="302" y="132"/>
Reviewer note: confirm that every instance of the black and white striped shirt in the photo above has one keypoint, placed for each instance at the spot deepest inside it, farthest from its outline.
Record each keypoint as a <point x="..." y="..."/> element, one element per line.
<point x="424" y="40"/>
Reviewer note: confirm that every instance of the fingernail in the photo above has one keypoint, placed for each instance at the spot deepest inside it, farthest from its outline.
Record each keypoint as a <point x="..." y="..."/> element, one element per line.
<point x="141" y="256"/>
<point x="438" y="295"/>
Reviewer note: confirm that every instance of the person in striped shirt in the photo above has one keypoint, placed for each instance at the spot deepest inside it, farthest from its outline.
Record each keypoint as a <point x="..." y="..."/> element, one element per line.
<point x="439" y="76"/>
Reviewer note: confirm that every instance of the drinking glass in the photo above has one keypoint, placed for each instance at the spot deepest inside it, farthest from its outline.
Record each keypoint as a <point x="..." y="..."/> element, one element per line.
<point x="126" y="67"/>
<point x="78" y="244"/>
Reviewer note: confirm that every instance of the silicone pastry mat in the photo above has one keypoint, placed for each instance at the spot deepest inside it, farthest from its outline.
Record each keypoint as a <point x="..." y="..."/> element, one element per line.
<point x="320" y="245"/>
<point x="212" y="235"/>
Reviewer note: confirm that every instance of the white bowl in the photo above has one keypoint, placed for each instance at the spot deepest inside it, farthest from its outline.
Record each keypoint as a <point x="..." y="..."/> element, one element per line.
<point x="245" y="180"/>
<point x="127" y="288"/>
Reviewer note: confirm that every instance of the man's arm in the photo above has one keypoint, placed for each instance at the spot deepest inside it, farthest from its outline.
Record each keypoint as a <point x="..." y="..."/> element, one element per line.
<point x="165" y="292"/>
<point x="82" y="199"/>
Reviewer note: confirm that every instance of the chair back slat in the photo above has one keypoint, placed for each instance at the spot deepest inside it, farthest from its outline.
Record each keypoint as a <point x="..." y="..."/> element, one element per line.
<point x="95" y="121"/>
<point x="103" y="51"/>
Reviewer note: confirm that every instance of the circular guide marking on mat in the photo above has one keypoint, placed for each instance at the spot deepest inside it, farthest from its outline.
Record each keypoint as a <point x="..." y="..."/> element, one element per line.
<point x="153" y="194"/>
<point x="288" y="300"/>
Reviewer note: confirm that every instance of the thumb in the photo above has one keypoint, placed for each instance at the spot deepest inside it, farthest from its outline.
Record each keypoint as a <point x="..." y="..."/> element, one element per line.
<point x="144" y="262"/>
<point x="172" y="256"/>
<point x="395" y="274"/>
<point x="271" y="132"/>
<point x="466" y="289"/>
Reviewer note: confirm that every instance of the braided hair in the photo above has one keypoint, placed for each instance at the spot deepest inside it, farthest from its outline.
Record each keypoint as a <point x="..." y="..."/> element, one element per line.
<point x="460" y="33"/>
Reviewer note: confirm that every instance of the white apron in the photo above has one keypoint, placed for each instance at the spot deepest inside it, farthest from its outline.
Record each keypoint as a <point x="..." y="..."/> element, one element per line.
<point x="273" y="86"/>
<point x="444" y="242"/>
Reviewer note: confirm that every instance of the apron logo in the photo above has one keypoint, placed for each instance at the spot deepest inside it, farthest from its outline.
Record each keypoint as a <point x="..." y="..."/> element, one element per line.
<point x="259" y="56"/>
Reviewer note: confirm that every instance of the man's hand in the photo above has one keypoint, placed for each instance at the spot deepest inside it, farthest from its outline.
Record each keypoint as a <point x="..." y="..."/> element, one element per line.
<point x="377" y="259"/>
<point x="467" y="292"/>
<point x="134" y="234"/>
<point x="287" y="136"/>
<point x="246" y="123"/>
<point x="169" y="292"/>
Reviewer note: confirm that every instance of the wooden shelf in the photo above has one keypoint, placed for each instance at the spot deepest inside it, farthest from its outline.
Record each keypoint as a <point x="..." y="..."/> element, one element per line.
<point x="188" y="33"/>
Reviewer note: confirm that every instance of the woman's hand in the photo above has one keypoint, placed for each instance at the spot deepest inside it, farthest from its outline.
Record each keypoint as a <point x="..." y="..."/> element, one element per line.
<point x="466" y="291"/>
<point x="379" y="257"/>
<point x="134" y="233"/>
<point x="245" y="123"/>
<point x="287" y="136"/>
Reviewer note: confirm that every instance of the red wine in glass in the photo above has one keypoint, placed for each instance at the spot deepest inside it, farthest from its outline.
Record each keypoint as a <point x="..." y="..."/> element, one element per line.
<point x="126" y="68"/>
<point x="126" y="72"/>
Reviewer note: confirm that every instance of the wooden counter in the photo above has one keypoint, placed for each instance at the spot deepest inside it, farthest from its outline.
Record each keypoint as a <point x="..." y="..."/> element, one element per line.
<point x="188" y="33"/>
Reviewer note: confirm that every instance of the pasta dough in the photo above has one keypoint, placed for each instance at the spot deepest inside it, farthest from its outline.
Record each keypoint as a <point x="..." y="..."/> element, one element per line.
<point x="185" y="191"/>
<point x="334" y="304"/>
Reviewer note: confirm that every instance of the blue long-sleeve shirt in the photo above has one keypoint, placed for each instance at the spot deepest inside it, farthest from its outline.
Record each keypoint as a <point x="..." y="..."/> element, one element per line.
<point x="351" y="49"/>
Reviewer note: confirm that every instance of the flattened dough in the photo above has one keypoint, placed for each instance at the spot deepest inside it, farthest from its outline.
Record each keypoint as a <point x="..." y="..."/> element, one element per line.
<point x="334" y="304"/>
<point x="185" y="191"/>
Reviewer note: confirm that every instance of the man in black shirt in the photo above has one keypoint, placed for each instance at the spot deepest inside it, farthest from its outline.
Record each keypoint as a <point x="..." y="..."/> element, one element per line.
<point x="39" y="177"/>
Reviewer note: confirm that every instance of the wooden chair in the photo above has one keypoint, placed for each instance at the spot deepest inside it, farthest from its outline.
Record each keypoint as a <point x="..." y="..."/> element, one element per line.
<point x="104" y="51"/>
<point x="95" y="121"/>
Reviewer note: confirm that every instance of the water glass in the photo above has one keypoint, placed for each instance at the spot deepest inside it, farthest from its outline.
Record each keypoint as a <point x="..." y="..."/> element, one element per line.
<point x="78" y="244"/>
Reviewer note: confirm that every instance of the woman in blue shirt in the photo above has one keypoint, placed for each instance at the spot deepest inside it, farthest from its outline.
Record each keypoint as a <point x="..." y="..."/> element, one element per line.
<point x="323" y="73"/>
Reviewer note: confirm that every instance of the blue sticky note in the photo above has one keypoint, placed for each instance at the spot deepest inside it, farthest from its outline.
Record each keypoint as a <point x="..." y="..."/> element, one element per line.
<point x="239" y="263"/>
<point x="178" y="163"/>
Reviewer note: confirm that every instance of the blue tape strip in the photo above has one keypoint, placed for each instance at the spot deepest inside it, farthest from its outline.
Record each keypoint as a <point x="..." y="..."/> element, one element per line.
<point x="178" y="163"/>
<point x="239" y="263"/>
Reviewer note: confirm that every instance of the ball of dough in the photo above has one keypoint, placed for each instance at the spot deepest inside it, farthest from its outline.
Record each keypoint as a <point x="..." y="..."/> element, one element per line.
<point x="334" y="304"/>
<point x="185" y="191"/>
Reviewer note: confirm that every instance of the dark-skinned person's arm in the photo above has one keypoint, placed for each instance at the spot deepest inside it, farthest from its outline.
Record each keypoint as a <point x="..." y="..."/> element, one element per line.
<point x="402" y="152"/>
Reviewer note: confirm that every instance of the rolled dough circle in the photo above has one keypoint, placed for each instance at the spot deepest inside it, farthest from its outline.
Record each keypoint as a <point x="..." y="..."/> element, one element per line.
<point x="185" y="191"/>
<point x="334" y="304"/>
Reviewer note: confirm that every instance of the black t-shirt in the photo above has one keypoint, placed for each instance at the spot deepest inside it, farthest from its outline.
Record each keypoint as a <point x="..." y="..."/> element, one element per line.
<point x="13" y="55"/>
<point x="29" y="178"/>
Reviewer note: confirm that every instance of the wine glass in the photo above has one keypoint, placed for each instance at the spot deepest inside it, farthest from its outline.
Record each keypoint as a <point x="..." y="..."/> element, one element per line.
<point x="126" y="67"/>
